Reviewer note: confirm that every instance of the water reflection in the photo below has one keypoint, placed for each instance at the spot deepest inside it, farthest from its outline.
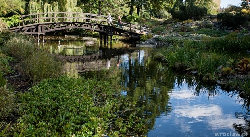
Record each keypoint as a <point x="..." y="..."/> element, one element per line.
<point x="172" y="104"/>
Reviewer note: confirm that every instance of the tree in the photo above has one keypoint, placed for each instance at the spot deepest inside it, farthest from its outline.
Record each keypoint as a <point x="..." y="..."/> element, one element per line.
<point x="245" y="3"/>
<point x="11" y="7"/>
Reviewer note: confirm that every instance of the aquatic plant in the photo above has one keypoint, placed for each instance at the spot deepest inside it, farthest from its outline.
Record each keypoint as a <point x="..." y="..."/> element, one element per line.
<point x="77" y="107"/>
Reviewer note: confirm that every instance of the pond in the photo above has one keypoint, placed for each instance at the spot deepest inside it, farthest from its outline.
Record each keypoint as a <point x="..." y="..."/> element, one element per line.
<point x="174" y="104"/>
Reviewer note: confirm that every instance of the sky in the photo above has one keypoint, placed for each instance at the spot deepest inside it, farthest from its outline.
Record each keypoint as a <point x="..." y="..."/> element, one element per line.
<point x="225" y="3"/>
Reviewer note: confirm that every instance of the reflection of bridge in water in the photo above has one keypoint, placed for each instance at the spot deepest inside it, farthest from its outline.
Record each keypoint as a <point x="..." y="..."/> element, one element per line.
<point x="42" y="23"/>
<point x="103" y="53"/>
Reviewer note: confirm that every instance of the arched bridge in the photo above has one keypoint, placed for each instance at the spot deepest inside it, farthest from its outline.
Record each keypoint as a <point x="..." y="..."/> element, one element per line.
<point x="41" y="23"/>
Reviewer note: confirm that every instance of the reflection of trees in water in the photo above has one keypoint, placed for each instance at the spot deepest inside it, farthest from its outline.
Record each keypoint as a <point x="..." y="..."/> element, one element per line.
<point x="147" y="83"/>
<point x="200" y="88"/>
<point x="243" y="129"/>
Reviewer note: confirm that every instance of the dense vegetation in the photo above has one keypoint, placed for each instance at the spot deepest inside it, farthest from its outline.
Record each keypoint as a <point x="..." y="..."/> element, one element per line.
<point x="80" y="107"/>
<point x="60" y="106"/>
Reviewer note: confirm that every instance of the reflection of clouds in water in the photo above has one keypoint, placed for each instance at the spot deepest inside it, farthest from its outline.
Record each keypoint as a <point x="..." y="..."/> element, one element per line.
<point x="212" y="114"/>
<point x="182" y="94"/>
<point x="141" y="56"/>
<point x="183" y="125"/>
<point x="198" y="111"/>
<point x="224" y="121"/>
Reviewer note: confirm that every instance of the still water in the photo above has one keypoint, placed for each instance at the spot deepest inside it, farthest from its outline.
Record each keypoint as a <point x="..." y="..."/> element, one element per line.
<point x="176" y="105"/>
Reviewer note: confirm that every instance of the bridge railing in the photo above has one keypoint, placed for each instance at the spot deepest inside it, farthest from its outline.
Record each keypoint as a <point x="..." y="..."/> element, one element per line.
<point x="50" y="17"/>
<point x="61" y="17"/>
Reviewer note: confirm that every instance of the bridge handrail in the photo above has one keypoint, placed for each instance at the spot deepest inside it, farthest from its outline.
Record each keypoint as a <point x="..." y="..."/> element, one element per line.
<point x="69" y="17"/>
<point x="54" y="16"/>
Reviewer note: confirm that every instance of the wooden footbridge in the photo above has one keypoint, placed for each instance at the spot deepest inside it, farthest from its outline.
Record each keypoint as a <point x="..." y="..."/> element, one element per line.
<point x="42" y="23"/>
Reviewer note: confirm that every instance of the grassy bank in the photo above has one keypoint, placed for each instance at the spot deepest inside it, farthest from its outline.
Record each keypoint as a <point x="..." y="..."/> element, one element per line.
<point x="29" y="60"/>
<point x="19" y="57"/>
<point x="213" y="59"/>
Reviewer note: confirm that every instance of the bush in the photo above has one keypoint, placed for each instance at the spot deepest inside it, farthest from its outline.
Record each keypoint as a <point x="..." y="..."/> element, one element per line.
<point x="7" y="105"/>
<point x="231" y="20"/>
<point x="132" y="18"/>
<point x="3" y="26"/>
<point x="40" y="66"/>
<point x="32" y="62"/>
<point x="146" y="37"/>
<point x="4" y="64"/>
<point x="182" y="12"/>
<point x="19" y="46"/>
<point x="231" y="42"/>
<point x="158" y="29"/>
<point x="212" y="33"/>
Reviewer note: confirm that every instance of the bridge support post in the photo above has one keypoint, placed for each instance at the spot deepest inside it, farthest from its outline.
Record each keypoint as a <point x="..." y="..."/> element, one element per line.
<point x="105" y="39"/>
<point x="100" y="38"/>
<point x="111" y="41"/>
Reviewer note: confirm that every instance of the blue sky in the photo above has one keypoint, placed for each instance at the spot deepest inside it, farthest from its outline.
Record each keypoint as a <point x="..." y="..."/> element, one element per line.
<point x="225" y="3"/>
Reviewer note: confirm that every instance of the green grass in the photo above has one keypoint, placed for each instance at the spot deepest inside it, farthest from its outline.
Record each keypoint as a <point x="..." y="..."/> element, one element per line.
<point x="211" y="32"/>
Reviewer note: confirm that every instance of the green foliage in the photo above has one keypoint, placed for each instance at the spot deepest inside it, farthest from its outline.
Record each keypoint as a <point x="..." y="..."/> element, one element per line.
<point x="32" y="62"/>
<point x="41" y="65"/>
<point x="77" y="107"/>
<point x="3" y="133"/>
<point x="231" y="20"/>
<point x="232" y="9"/>
<point x="3" y="26"/>
<point x="19" y="46"/>
<point x="158" y="29"/>
<point x="4" y="64"/>
<point x="183" y="12"/>
<point x="211" y="32"/>
<point x="146" y="37"/>
<point x="11" y="7"/>
<point x="132" y="18"/>
<point x="163" y="14"/>
<point x="12" y="21"/>
<point x="170" y="40"/>
<point x="7" y="105"/>
<point x="231" y="42"/>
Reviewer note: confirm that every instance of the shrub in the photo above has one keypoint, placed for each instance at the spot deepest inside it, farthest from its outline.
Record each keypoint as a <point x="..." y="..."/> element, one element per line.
<point x="231" y="42"/>
<point x="183" y="12"/>
<point x="32" y="62"/>
<point x="158" y="29"/>
<point x="231" y="20"/>
<point x="132" y="18"/>
<point x="3" y="26"/>
<point x="41" y="65"/>
<point x="212" y="33"/>
<point x="19" y="46"/>
<point x="4" y="64"/>
<point x="7" y="105"/>
<point x="146" y="37"/>
<point x="12" y="21"/>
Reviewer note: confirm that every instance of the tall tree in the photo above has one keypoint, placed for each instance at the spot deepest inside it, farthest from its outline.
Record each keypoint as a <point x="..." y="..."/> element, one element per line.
<point x="245" y="3"/>
<point x="10" y="7"/>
